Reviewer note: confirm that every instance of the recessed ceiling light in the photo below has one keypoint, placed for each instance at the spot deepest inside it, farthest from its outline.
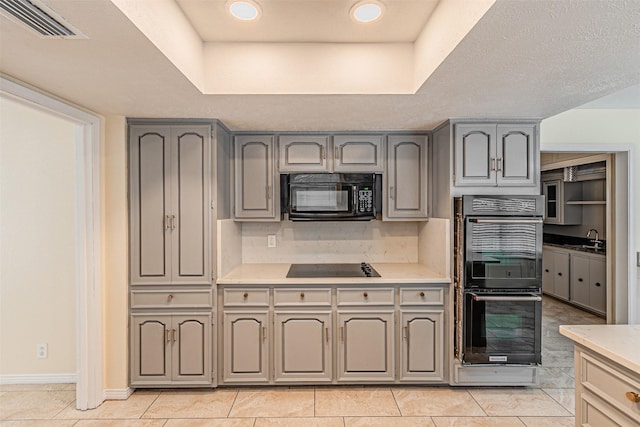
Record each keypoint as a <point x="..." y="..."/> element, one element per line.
<point x="245" y="10"/>
<point x="367" y="11"/>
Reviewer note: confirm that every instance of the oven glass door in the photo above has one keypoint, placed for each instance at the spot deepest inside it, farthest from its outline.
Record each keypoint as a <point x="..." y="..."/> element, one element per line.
<point x="319" y="198"/>
<point x="502" y="328"/>
<point x="503" y="252"/>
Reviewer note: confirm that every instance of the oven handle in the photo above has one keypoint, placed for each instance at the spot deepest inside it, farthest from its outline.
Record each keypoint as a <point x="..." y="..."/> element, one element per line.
<point x="531" y="297"/>
<point x="505" y="221"/>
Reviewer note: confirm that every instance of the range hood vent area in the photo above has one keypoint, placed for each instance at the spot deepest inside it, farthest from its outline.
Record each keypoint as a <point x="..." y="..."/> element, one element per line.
<point x="38" y="17"/>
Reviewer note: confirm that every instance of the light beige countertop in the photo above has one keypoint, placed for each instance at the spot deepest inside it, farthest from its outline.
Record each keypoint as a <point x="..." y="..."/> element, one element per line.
<point x="619" y="343"/>
<point x="276" y="274"/>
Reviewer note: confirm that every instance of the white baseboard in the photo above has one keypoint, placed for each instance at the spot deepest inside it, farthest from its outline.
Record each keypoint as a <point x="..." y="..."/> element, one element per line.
<point x="38" y="379"/>
<point x="118" y="393"/>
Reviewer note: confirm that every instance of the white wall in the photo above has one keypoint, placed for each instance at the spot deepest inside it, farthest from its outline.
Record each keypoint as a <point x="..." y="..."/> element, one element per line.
<point x="607" y="130"/>
<point x="37" y="244"/>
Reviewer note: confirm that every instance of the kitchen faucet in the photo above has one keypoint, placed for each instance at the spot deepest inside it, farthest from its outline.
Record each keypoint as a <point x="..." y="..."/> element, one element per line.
<point x="596" y="242"/>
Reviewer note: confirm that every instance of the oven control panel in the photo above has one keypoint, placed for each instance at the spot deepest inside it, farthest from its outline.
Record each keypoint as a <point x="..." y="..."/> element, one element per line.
<point x="365" y="200"/>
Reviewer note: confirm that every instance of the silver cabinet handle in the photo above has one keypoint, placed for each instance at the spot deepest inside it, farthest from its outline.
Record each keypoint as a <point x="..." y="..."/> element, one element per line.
<point x="173" y="335"/>
<point x="173" y="222"/>
<point x="264" y="333"/>
<point x="499" y="167"/>
<point x="167" y="220"/>
<point x="327" y="333"/>
<point x="406" y="333"/>
<point x="167" y="331"/>
<point x="506" y="298"/>
<point x="505" y="221"/>
<point x="268" y="192"/>
<point x="391" y="193"/>
<point x="493" y="164"/>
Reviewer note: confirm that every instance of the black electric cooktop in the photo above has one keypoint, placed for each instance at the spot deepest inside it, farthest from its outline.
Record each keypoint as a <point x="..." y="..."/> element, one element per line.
<point x="331" y="270"/>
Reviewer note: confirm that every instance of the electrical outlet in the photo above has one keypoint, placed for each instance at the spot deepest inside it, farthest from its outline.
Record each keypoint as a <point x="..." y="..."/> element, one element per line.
<point x="41" y="351"/>
<point x="271" y="240"/>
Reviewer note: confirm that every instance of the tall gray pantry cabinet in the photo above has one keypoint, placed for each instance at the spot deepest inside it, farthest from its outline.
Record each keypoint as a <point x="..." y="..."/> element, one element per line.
<point x="171" y="268"/>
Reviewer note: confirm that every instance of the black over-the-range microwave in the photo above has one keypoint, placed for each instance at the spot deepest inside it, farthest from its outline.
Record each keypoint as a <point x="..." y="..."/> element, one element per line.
<point x="331" y="196"/>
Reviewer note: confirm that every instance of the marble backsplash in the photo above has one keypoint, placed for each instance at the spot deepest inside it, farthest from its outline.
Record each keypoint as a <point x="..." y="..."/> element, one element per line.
<point x="326" y="242"/>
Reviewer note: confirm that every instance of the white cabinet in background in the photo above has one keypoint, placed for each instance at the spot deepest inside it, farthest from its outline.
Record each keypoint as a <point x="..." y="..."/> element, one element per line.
<point x="256" y="194"/>
<point x="406" y="181"/>
<point x="490" y="154"/>
<point x="557" y="194"/>
<point x="588" y="281"/>
<point x="555" y="273"/>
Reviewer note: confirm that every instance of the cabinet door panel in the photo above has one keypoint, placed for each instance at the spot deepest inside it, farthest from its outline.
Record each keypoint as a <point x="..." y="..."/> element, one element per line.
<point x="246" y="346"/>
<point x="547" y="272"/>
<point x="475" y="154"/>
<point x="254" y="190"/>
<point x="303" y="153"/>
<point x="358" y="153"/>
<point x="366" y="346"/>
<point x="303" y="346"/>
<point x="422" y="346"/>
<point x="561" y="287"/>
<point x="151" y="349"/>
<point x="406" y="180"/>
<point x="580" y="280"/>
<point x="515" y="150"/>
<point x="597" y="284"/>
<point x="191" y="348"/>
<point x="150" y="158"/>
<point x="192" y="189"/>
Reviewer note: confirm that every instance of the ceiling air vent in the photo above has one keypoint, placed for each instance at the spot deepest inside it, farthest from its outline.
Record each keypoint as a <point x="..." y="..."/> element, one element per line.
<point x="39" y="18"/>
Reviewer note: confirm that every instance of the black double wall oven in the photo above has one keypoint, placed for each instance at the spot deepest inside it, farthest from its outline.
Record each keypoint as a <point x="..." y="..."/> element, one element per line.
<point x="498" y="279"/>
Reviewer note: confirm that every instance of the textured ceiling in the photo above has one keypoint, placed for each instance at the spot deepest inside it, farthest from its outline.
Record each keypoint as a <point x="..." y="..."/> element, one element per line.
<point x="525" y="58"/>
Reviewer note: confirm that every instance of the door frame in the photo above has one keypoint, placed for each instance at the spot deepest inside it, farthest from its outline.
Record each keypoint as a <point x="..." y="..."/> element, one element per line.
<point x="624" y="244"/>
<point x="88" y="265"/>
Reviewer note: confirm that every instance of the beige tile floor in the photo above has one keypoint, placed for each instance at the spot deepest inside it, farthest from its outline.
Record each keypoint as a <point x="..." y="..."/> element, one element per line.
<point x="550" y="404"/>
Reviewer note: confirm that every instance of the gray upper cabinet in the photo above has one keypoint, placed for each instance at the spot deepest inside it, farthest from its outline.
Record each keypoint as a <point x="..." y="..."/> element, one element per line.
<point x="303" y="153"/>
<point x="406" y="180"/>
<point x="170" y="204"/>
<point x="489" y="154"/>
<point x="358" y="153"/>
<point x="255" y="192"/>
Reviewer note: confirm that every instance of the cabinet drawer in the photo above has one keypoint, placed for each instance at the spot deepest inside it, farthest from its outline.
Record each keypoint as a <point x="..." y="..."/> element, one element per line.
<point x="364" y="296"/>
<point x="246" y="297"/>
<point x="609" y="384"/>
<point x="421" y="296"/>
<point x="300" y="297"/>
<point x="171" y="298"/>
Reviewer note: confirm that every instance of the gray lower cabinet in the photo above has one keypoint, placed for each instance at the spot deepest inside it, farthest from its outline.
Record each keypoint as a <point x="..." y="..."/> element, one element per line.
<point x="422" y="333"/>
<point x="170" y="193"/>
<point x="303" y="350"/>
<point x="255" y="193"/>
<point x="246" y="346"/>
<point x="365" y="346"/>
<point x="332" y="334"/>
<point x="491" y="154"/>
<point x="406" y="180"/>
<point x="171" y="349"/>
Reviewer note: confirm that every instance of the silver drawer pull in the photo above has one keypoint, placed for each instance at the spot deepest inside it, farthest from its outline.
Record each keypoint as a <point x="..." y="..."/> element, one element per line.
<point x="505" y="221"/>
